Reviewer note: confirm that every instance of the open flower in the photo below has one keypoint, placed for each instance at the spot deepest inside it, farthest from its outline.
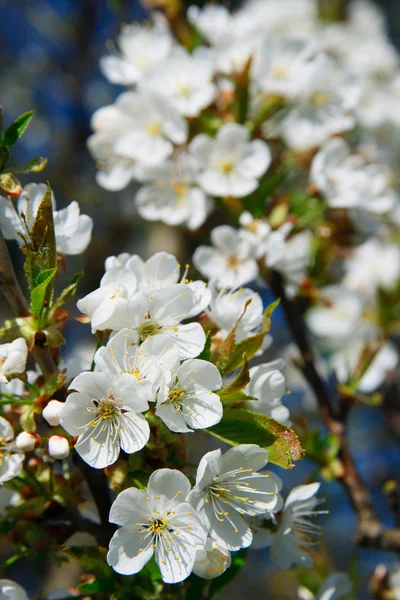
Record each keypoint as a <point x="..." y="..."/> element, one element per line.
<point x="145" y="362"/>
<point x="158" y="521"/>
<point x="267" y="384"/>
<point x="104" y="413"/>
<point x="161" y="271"/>
<point x="296" y="533"/>
<point x="229" y="487"/>
<point x="230" y="164"/>
<point x="212" y="560"/>
<point x="11" y="458"/>
<point x="72" y="230"/>
<point x="230" y="263"/>
<point x="186" y="400"/>
<point x="12" y="358"/>
<point x="323" y="107"/>
<point x="227" y="308"/>
<point x="185" y="79"/>
<point x="347" y="181"/>
<point x="171" y="193"/>
<point x="141" y="126"/>
<point x="140" y="49"/>
<point x="163" y="312"/>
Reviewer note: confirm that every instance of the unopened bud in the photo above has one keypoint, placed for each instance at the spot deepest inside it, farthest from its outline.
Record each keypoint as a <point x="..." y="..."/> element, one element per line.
<point x="26" y="442"/>
<point x="58" y="447"/>
<point x="52" y="412"/>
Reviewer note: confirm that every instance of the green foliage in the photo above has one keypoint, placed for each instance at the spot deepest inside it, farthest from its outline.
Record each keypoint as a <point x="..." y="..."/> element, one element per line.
<point x="16" y="129"/>
<point x="36" y="165"/>
<point x="39" y="292"/>
<point x="205" y="354"/>
<point x="242" y="426"/>
<point x="232" y="393"/>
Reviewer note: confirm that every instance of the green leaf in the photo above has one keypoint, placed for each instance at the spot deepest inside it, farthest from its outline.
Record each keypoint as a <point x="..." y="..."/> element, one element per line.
<point x="69" y="292"/>
<point x="16" y="129"/>
<point x="36" y="165"/>
<point x="38" y="294"/>
<point x="243" y="426"/>
<point x="10" y="184"/>
<point x="206" y="352"/>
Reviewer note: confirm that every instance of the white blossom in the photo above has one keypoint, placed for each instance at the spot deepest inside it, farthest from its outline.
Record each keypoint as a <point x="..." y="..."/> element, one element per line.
<point x="163" y="312"/>
<point x="13" y="358"/>
<point x="296" y="533"/>
<point x="172" y="194"/>
<point x="231" y="164"/>
<point x="229" y="487"/>
<point x="227" y="308"/>
<point x="72" y="230"/>
<point x="186" y="400"/>
<point x="185" y="79"/>
<point x="140" y="48"/>
<point x="230" y="262"/>
<point x="115" y="171"/>
<point x="336" y="586"/>
<point x="58" y="447"/>
<point x="212" y="560"/>
<point x="141" y="126"/>
<point x="145" y="362"/>
<point x="158" y="521"/>
<point x="324" y="106"/>
<point x="10" y="590"/>
<point x="213" y="21"/>
<point x="11" y="458"/>
<point x="267" y="384"/>
<point x="338" y="316"/>
<point x="278" y="66"/>
<point x="104" y="413"/>
<point x="372" y="265"/>
<point x="347" y="181"/>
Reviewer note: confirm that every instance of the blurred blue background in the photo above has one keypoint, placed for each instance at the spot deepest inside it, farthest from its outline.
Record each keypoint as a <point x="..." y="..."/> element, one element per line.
<point x="49" y="61"/>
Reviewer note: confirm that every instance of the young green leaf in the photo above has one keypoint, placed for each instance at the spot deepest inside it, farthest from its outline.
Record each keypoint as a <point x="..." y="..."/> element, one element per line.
<point x="38" y="294"/>
<point x="16" y="129"/>
<point x="243" y="426"/>
<point x="36" y="165"/>
<point x="10" y="185"/>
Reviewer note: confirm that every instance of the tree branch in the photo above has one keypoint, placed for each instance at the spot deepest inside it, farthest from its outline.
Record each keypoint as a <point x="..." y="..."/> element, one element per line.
<point x="370" y="531"/>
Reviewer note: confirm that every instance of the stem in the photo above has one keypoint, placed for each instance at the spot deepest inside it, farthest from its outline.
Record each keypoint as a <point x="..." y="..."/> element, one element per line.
<point x="370" y="532"/>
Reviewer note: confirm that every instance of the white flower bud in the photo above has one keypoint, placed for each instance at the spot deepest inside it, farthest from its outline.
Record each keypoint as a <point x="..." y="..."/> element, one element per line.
<point x="58" y="447"/>
<point x="52" y="412"/>
<point x="25" y="441"/>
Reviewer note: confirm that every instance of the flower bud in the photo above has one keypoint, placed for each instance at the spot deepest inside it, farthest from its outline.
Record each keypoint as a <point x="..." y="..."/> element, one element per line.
<point x="52" y="412"/>
<point x="58" y="447"/>
<point x="26" y="442"/>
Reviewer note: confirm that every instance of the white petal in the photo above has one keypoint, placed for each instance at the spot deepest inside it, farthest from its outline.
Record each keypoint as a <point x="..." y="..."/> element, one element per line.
<point x="128" y="553"/>
<point x="248" y="456"/>
<point x="134" y="432"/>
<point x="170" y="484"/>
<point x="129" y="507"/>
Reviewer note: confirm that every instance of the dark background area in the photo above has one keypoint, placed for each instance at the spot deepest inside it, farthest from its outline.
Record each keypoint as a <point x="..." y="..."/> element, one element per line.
<point x="49" y="61"/>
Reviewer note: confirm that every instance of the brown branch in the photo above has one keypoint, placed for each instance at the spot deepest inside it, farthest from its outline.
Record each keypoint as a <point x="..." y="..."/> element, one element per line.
<point x="13" y="294"/>
<point x="370" y="532"/>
